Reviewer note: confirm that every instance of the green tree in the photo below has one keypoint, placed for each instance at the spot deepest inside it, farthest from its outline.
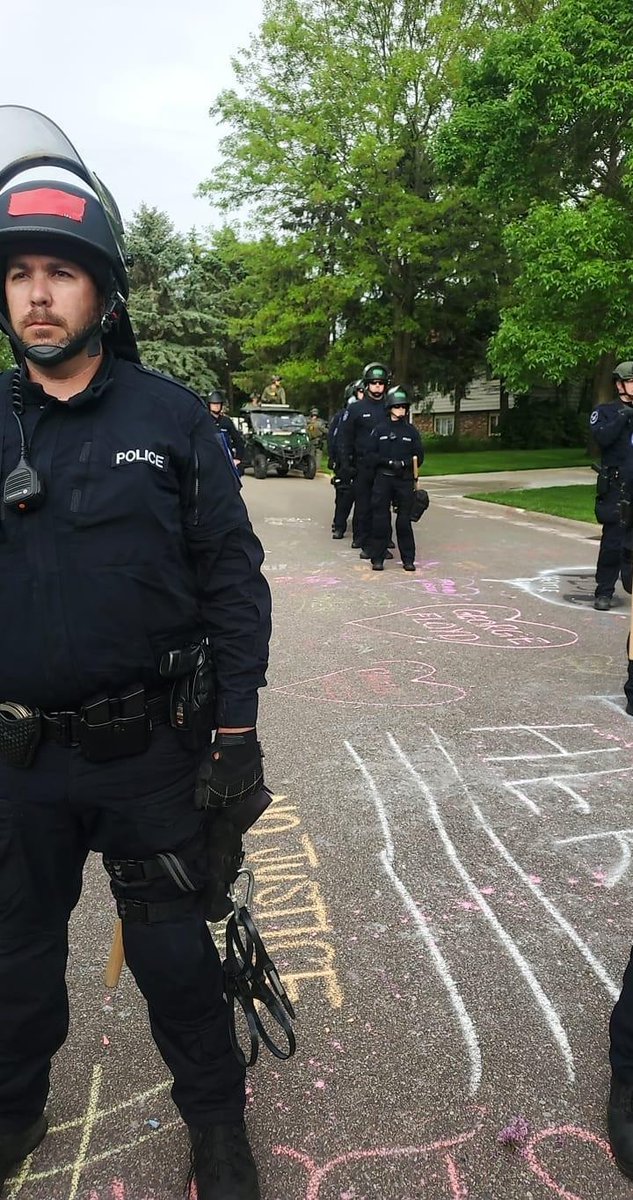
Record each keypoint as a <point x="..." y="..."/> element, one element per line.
<point x="542" y="129"/>
<point x="6" y="357"/>
<point x="329" y="146"/>
<point x="172" y="307"/>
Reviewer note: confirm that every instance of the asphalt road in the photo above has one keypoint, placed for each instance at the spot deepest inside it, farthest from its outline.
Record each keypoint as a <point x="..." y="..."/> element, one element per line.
<point x="445" y="884"/>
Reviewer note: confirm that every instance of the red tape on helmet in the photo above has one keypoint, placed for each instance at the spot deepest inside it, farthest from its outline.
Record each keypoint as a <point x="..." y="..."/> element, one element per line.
<point x="47" y="202"/>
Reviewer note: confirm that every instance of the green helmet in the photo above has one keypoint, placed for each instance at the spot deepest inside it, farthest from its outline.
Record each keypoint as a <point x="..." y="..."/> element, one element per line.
<point x="623" y="373"/>
<point x="376" y="373"/>
<point x="398" y="397"/>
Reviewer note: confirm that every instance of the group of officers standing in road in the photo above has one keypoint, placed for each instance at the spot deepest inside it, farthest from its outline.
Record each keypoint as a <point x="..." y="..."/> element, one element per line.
<point x="375" y="453"/>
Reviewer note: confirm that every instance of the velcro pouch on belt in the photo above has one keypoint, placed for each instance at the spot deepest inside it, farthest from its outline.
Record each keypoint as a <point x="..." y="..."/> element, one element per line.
<point x="20" y="733"/>
<point x="115" y="728"/>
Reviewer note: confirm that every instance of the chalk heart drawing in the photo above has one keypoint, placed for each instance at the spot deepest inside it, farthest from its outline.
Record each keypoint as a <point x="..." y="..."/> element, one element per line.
<point x="392" y="683"/>
<point x="491" y="625"/>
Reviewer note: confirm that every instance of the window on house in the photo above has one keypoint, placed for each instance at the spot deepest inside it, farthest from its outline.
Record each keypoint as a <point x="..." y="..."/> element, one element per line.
<point x="493" y="424"/>
<point x="444" y="426"/>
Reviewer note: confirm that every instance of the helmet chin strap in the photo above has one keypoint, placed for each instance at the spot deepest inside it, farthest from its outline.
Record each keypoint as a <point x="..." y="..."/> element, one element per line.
<point x="53" y="356"/>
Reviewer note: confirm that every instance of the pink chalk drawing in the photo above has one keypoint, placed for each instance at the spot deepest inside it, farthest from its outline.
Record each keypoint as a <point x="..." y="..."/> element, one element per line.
<point x="558" y="1133"/>
<point x="393" y="683"/>
<point x="444" y="587"/>
<point x="316" y="1175"/>
<point x="488" y="625"/>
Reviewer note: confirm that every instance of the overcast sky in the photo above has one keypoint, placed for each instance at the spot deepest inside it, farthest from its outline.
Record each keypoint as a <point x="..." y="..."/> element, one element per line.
<point x="130" y="82"/>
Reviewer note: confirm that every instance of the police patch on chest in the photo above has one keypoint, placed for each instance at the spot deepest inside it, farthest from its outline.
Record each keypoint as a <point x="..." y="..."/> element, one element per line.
<point x="154" y="458"/>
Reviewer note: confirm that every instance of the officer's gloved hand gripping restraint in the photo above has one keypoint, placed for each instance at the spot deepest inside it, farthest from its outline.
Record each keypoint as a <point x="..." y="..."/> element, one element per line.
<point x="230" y="790"/>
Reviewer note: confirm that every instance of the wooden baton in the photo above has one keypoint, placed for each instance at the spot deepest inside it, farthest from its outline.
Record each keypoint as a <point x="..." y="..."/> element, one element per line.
<point x="116" y="957"/>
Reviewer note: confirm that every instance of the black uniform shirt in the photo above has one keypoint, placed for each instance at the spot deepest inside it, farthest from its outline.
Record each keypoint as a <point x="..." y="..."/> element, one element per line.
<point x="234" y="438"/>
<point x="143" y="544"/>
<point x="611" y="428"/>
<point x="355" y="429"/>
<point x="396" y="442"/>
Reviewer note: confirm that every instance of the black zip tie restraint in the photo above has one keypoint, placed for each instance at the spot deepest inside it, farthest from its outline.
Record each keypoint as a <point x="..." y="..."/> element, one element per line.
<point x="251" y="982"/>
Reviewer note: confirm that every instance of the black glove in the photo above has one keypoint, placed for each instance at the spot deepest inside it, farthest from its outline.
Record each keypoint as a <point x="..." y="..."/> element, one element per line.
<point x="346" y="474"/>
<point x="232" y="770"/>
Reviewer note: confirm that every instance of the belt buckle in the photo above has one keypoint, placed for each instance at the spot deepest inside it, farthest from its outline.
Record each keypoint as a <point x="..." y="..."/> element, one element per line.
<point x="64" y="721"/>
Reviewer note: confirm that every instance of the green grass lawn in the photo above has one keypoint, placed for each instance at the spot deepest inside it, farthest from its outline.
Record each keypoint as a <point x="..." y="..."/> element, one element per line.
<point x="467" y="461"/>
<point x="576" y="501"/>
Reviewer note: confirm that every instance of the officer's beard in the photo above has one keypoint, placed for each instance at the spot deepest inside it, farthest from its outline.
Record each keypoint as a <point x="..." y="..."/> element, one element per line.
<point x="50" y="354"/>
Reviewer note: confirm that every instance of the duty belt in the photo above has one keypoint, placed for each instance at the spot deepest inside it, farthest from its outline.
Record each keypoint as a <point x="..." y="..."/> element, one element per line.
<point x="64" y="727"/>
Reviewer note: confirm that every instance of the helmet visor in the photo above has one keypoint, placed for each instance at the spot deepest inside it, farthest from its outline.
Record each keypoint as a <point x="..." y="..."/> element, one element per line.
<point x="29" y="139"/>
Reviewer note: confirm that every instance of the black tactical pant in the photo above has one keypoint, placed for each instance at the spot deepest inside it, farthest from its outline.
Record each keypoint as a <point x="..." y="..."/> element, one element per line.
<point x="388" y="490"/>
<point x="363" y="483"/>
<point x="627" y="583"/>
<point x="343" y="504"/>
<point x="51" y="815"/>
<point x="621" y="1029"/>
<point x="609" y="558"/>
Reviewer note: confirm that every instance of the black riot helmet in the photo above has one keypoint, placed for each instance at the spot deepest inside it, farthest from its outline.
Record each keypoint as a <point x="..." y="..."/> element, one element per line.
<point x="52" y="216"/>
<point x="623" y="373"/>
<point x="350" y="392"/>
<point x="398" y="397"/>
<point x="376" y="373"/>
<point x="217" y="396"/>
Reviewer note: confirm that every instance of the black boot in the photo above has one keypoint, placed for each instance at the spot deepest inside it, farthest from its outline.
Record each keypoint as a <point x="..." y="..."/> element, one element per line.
<point x="620" y="1124"/>
<point x="408" y="566"/>
<point x="337" y="534"/>
<point x="222" y="1163"/>
<point x="15" y="1147"/>
<point x="377" y="564"/>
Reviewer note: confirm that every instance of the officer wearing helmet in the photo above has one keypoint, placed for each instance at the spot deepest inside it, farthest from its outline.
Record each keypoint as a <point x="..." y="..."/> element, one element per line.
<point x="317" y="431"/>
<point x="226" y="428"/>
<point x="274" y="393"/>
<point x="344" y="487"/>
<point x="126" y="541"/>
<point x="611" y="426"/>
<point x="357" y="425"/>
<point x="396" y="453"/>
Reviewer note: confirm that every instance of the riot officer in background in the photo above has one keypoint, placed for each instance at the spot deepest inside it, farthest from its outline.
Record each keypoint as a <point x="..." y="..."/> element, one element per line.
<point x="226" y="427"/>
<point x="396" y="453"/>
<point x="344" y="491"/>
<point x="274" y="392"/>
<point x="126" y="542"/>
<point x="317" y="432"/>
<point x="611" y="428"/>
<point x="357" y="425"/>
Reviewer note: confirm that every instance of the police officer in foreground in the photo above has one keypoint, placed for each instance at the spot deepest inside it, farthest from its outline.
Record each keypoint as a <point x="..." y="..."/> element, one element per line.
<point x="226" y="427"/>
<point x="357" y="425"/>
<point x="396" y="451"/>
<point x="344" y="487"/>
<point x="124" y="543"/>
<point x="611" y="428"/>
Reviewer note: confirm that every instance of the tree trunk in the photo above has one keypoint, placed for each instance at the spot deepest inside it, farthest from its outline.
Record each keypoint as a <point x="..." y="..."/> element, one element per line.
<point x="504" y="398"/>
<point x="460" y="392"/>
<point x="603" y="378"/>
<point x="401" y="357"/>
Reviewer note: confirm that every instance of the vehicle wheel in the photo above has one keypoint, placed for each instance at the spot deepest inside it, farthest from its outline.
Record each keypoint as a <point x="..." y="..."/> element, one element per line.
<point x="260" y="466"/>
<point x="282" y="471"/>
<point x="309" y="471"/>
